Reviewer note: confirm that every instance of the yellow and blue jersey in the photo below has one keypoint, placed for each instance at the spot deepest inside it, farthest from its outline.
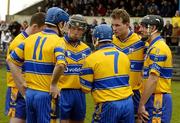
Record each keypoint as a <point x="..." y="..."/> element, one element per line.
<point x="105" y="73"/>
<point x="75" y="57"/>
<point x="134" y="48"/>
<point x="17" y="41"/>
<point x="39" y="53"/>
<point x="158" y="60"/>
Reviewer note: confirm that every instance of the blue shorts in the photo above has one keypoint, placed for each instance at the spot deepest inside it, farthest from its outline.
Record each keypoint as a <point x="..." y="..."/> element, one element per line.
<point x="121" y="111"/>
<point x="72" y="104"/>
<point x="136" y="99"/>
<point x="15" y="104"/>
<point x="38" y="106"/>
<point x="160" y="108"/>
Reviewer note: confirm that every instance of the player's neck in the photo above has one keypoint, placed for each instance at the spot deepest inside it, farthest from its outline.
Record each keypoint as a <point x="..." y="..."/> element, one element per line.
<point x="124" y="37"/>
<point x="103" y="43"/>
<point x="28" y="30"/>
<point x="153" y="37"/>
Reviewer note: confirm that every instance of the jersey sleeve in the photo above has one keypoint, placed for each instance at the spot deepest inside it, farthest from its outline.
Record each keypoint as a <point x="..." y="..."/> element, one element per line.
<point x="157" y="61"/>
<point x="17" y="55"/>
<point x="86" y="76"/>
<point x="59" y="52"/>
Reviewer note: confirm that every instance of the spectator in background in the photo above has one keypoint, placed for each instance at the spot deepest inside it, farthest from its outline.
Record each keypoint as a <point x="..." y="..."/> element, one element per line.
<point x="175" y="35"/>
<point x="103" y="21"/>
<point x="105" y="7"/>
<point x="132" y="5"/>
<point x="24" y="25"/>
<point x="109" y="10"/>
<point x="177" y="14"/>
<point x="94" y="24"/>
<point x="140" y="11"/>
<point x="171" y="9"/>
<point x="39" y="8"/>
<point x="165" y="9"/>
<point x="153" y="9"/>
<point x="3" y="29"/>
<point x="4" y="26"/>
<point x="167" y="32"/>
<point x="15" y="28"/>
<point x="6" y="39"/>
<point x="101" y="10"/>
<point x="91" y="11"/>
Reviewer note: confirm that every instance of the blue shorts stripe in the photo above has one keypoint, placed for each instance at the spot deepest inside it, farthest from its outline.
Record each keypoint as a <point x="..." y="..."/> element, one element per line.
<point x="164" y="113"/>
<point x="18" y="105"/>
<point x="111" y="82"/>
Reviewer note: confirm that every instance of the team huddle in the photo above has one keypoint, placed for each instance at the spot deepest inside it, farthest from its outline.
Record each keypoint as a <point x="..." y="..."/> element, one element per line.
<point x="50" y="70"/>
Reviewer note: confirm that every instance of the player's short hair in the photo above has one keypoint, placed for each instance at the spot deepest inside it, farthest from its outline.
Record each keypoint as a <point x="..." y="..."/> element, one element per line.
<point x="121" y="13"/>
<point x="38" y="18"/>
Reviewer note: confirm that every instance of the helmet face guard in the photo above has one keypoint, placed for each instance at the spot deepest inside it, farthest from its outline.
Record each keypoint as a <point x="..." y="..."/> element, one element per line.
<point x="78" y="21"/>
<point x="78" y="24"/>
<point x="151" y="20"/>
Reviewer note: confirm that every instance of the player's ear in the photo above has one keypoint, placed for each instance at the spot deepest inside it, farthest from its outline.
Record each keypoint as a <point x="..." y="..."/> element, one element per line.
<point x="154" y="28"/>
<point x="95" y="41"/>
<point x="62" y="27"/>
<point x="127" y="24"/>
<point x="61" y="24"/>
<point x="35" y="28"/>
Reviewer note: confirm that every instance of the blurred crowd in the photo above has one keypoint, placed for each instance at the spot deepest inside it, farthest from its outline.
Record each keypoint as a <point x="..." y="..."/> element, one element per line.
<point x="170" y="33"/>
<point x="8" y="31"/>
<point x="136" y="8"/>
<point x="139" y="8"/>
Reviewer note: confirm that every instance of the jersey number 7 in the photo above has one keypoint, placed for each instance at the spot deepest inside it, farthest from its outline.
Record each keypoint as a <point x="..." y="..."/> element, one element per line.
<point x="116" y="55"/>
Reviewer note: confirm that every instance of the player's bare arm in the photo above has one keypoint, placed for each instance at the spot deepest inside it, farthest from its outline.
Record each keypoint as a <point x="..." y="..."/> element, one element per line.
<point x="149" y="88"/>
<point x="17" y="76"/>
<point x="58" y="71"/>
